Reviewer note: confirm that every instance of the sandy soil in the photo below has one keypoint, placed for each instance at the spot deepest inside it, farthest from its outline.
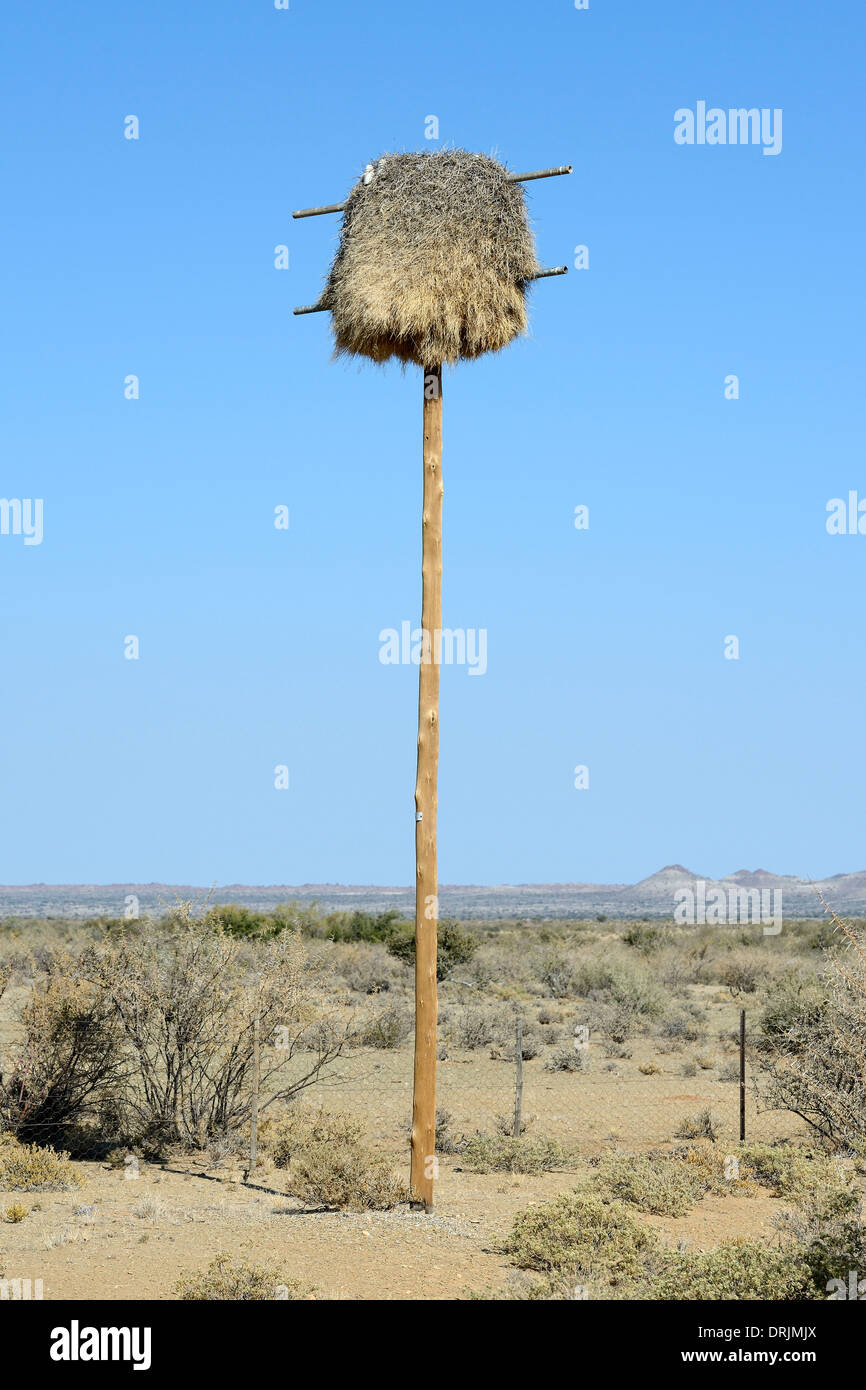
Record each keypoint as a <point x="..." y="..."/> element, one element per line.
<point x="119" y="1237"/>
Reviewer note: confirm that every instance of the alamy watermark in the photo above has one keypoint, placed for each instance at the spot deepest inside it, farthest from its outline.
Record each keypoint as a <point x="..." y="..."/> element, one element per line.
<point x="846" y="516"/>
<point x="734" y="126"/>
<point x="445" y="647"/>
<point x="22" y="516"/>
<point x="723" y="907"/>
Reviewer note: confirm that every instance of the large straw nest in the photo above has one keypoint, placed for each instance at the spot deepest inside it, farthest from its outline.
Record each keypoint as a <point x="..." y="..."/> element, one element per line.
<point x="434" y="256"/>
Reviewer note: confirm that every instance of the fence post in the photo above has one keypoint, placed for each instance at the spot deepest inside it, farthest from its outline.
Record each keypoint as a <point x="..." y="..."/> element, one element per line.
<point x="518" y="1081"/>
<point x="742" y="1076"/>
<point x="254" y="1113"/>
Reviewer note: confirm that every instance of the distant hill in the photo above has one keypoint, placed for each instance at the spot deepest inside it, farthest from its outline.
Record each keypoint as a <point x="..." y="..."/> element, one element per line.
<point x="655" y="896"/>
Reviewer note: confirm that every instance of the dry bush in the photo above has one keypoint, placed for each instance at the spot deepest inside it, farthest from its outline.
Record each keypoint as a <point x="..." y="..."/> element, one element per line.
<point x="366" y="967"/>
<point x="622" y="984"/>
<point x="703" y="1125"/>
<point x="556" y="972"/>
<point x="31" y="1168"/>
<point x="566" y="1059"/>
<point x="736" y="1269"/>
<point x="685" y="1026"/>
<point x="70" y="1064"/>
<point x="501" y="1153"/>
<point x="188" y="998"/>
<point x="531" y="1040"/>
<point x="652" y="1183"/>
<point x="228" y="1280"/>
<point x="472" y="1026"/>
<point x="331" y="1163"/>
<point x="812" y="1050"/>
<point x="581" y="1234"/>
<point x="386" y="1028"/>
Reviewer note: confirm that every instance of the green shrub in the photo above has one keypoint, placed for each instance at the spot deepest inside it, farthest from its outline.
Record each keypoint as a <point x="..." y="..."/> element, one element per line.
<point x="243" y="921"/>
<point x="236" y="1281"/>
<point x="455" y="945"/>
<point x="581" y="1234"/>
<point x="17" y="1212"/>
<point x="364" y="926"/>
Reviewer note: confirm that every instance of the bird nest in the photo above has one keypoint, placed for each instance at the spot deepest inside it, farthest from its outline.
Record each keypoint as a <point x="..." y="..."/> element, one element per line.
<point x="435" y="254"/>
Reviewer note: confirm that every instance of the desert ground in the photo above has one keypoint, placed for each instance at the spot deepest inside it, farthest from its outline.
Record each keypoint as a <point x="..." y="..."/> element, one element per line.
<point x="652" y="1012"/>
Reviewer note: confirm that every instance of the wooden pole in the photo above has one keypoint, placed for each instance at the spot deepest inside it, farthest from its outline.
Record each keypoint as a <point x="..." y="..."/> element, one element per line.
<point x="518" y="1079"/>
<point x="254" y="1117"/>
<point x="742" y="1076"/>
<point x="426" y="883"/>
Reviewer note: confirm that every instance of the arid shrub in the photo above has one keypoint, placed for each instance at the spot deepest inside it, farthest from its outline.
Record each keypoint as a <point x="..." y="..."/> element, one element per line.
<point x="742" y="974"/>
<point x="582" y="1234"/>
<point x="531" y="1039"/>
<point x="387" y="1028"/>
<point x="683" y="1026"/>
<point x="784" y="1168"/>
<point x="556" y="973"/>
<point x="188" y="999"/>
<point x="228" y="1280"/>
<point x="566" y="1059"/>
<point x="714" y="1170"/>
<point x="827" y="1225"/>
<point x="447" y="1142"/>
<point x="622" y="982"/>
<point x="736" y="1269"/>
<point x="15" y="1213"/>
<point x="652" y="1183"/>
<point x="499" y="1153"/>
<point x="621" y="1022"/>
<point x="331" y="1163"/>
<point x="703" y="1125"/>
<point x="645" y="939"/>
<point x="366" y="968"/>
<point x="70" y="1062"/>
<point x="473" y="1026"/>
<point x="30" y="1168"/>
<point x="813" y="1044"/>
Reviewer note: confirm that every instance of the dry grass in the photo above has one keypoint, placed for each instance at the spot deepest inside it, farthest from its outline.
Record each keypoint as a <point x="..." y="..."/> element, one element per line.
<point x="434" y="256"/>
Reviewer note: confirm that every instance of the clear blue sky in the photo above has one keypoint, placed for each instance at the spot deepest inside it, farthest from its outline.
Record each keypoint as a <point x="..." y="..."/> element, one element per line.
<point x="260" y="647"/>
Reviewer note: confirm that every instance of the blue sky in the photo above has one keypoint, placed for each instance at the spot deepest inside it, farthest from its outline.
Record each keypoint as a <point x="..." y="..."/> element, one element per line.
<point x="259" y="647"/>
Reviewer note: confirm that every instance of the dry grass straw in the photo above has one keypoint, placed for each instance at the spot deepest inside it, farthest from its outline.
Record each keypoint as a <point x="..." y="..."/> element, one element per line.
<point x="434" y="256"/>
